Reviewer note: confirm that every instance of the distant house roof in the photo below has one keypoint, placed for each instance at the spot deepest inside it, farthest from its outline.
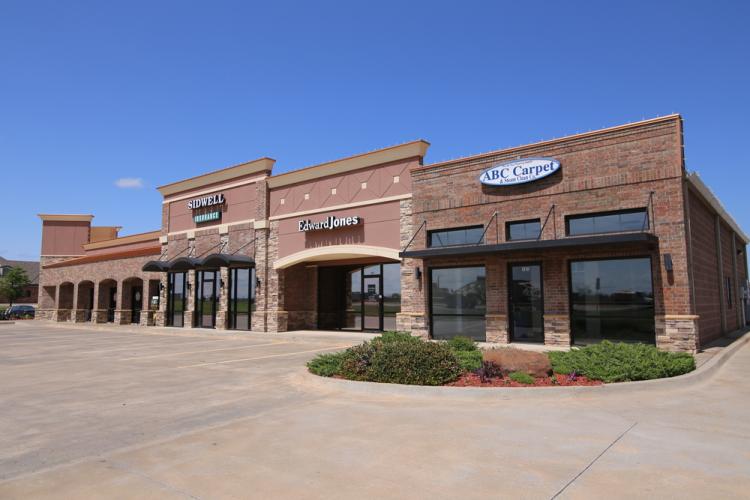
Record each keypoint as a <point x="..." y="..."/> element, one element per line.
<point x="30" y="266"/>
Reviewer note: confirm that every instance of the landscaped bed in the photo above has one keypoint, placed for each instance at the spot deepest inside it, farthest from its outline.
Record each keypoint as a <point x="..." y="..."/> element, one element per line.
<point x="399" y="358"/>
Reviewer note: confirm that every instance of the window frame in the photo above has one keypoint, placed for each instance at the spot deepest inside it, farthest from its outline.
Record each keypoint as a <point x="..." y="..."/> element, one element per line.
<point x="452" y="229"/>
<point x="592" y="215"/>
<point x="524" y="221"/>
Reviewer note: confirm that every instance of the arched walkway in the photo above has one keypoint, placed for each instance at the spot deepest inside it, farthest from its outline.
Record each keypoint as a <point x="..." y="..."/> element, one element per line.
<point x="65" y="301"/>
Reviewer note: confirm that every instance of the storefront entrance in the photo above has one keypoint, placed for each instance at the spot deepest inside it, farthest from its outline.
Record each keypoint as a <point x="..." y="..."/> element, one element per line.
<point x="363" y="298"/>
<point x="525" y="302"/>
<point x="206" y="296"/>
<point x="176" y="299"/>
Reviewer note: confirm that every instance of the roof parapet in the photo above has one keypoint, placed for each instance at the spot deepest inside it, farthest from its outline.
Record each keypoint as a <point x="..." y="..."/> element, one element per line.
<point x="264" y="164"/>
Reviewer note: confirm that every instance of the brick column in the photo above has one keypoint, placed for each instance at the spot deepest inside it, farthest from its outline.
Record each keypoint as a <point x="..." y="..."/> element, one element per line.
<point x="190" y="300"/>
<point x="222" y="310"/>
<point x="122" y="310"/>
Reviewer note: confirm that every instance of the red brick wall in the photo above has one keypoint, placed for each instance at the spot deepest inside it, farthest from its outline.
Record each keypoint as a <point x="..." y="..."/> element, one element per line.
<point x="608" y="171"/>
<point x="727" y="255"/>
<point x="705" y="266"/>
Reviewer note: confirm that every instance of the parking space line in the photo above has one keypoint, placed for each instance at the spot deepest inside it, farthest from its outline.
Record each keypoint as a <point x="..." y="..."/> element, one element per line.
<point x="262" y="357"/>
<point x="201" y="352"/>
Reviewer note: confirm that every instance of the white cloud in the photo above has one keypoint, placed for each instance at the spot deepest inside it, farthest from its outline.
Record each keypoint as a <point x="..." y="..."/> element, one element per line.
<point x="129" y="182"/>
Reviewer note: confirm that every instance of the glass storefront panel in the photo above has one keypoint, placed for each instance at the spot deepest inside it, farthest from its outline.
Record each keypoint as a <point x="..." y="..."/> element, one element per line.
<point x="241" y="297"/>
<point x="353" y="295"/>
<point x="391" y="295"/>
<point x="176" y="299"/>
<point x="458" y="302"/>
<point x="612" y="299"/>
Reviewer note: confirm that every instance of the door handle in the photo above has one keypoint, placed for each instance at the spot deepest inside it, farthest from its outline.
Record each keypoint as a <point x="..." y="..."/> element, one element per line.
<point x="380" y="297"/>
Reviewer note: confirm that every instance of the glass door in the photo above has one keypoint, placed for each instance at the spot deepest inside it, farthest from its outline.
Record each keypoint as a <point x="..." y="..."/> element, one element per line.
<point x="205" y="299"/>
<point x="525" y="303"/>
<point x="373" y="303"/>
<point x="241" y="297"/>
<point x="176" y="299"/>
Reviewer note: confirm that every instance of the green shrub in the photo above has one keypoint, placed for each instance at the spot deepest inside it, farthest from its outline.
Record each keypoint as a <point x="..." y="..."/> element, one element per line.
<point x="326" y="365"/>
<point x="462" y="344"/>
<point x="356" y="360"/>
<point x="414" y="363"/>
<point x="469" y="360"/>
<point x="621" y="362"/>
<point x="391" y="336"/>
<point x="521" y="377"/>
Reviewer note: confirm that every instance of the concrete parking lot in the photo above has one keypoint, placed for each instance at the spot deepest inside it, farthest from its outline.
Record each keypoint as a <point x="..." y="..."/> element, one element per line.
<point x="157" y="414"/>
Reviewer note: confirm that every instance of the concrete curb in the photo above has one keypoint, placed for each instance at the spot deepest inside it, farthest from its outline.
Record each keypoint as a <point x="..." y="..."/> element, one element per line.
<point x="687" y="381"/>
<point x="7" y="323"/>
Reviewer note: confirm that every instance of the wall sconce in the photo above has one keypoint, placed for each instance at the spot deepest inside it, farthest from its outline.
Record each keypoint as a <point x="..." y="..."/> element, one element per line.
<point x="257" y="282"/>
<point x="668" y="262"/>
<point x="161" y="286"/>
<point x="418" y="274"/>
<point x="189" y="285"/>
<point x="221" y="283"/>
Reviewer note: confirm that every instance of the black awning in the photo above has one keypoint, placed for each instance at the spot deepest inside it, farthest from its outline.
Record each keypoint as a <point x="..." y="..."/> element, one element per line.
<point x="156" y="266"/>
<point x="227" y="260"/>
<point x="530" y="245"/>
<point x="184" y="264"/>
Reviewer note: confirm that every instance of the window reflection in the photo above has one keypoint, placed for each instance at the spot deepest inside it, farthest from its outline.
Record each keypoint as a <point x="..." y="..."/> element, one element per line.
<point x="451" y="237"/>
<point x="458" y="302"/>
<point x="610" y="222"/>
<point x="612" y="299"/>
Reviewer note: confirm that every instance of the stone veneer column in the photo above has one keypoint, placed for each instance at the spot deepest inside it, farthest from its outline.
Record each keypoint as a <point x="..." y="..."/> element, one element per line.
<point x="276" y="316"/>
<point x="222" y="311"/>
<point x="122" y="315"/>
<point x="557" y="330"/>
<point x="678" y="333"/>
<point x="413" y="316"/>
<point x="160" y="316"/>
<point x="497" y="328"/>
<point x="259" y="315"/>
<point x="190" y="290"/>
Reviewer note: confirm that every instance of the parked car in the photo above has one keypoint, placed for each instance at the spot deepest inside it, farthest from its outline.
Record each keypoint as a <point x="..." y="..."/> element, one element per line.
<point x="19" y="312"/>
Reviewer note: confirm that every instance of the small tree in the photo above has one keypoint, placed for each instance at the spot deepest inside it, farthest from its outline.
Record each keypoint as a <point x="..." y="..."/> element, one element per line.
<point x="12" y="283"/>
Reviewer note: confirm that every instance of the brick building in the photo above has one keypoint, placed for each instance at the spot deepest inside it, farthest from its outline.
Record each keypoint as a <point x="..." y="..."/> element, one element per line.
<point x="602" y="235"/>
<point x="30" y="292"/>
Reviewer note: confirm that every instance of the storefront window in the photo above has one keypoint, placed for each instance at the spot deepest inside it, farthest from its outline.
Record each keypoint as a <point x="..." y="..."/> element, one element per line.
<point x="523" y="230"/>
<point x="613" y="300"/>
<point x="458" y="302"/>
<point x="452" y="237"/>
<point x="609" y="222"/>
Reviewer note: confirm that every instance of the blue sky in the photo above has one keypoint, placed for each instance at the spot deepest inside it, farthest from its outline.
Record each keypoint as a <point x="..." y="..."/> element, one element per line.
<point x="93" y="92"/>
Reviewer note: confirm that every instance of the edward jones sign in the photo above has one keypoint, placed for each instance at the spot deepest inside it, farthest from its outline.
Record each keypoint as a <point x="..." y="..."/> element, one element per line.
<point x="519" y="171"/>
<point x="330" y="222"/>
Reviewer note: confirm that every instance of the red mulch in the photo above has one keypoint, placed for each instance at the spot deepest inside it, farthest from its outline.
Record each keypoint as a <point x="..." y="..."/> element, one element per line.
<point x="472" y="380"/>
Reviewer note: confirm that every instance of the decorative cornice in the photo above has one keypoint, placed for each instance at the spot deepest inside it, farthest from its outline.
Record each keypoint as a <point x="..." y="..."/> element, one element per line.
<point x="66" y="217"/>
<point x="252" y="167"/>
<point x="412" y="149"/>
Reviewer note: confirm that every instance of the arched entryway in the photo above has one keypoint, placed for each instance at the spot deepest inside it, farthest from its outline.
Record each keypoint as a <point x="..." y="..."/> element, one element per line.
<point x="132" y="300"/>
<point x="85" y="301"/>
<point x="107" y="301"/>
<point x="340" y="287"/>
<point x="65" y="301"/>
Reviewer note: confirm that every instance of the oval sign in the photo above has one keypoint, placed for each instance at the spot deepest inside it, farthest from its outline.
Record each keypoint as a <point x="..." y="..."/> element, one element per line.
<point x="519" y="171"/>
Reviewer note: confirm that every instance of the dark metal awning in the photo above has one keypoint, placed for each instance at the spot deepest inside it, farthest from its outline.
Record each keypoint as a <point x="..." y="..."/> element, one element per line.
<point x="227" y="260"/>
<point x="532" y="245"/>
<point x="156" y="266"/>
<point x="184" y="264"/>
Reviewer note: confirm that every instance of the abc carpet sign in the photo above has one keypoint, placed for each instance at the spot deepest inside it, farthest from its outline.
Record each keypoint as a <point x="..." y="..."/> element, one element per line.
<point x="519" y="171"/>
<point x="206" y="208"/>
